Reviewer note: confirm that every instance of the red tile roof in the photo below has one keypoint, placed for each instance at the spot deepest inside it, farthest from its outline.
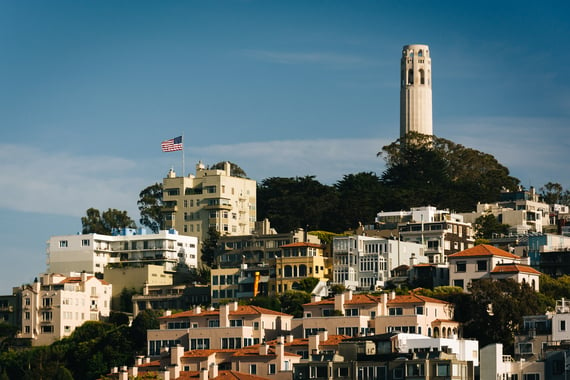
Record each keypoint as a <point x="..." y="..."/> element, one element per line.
<point x="514" y="268"/>
<point x="483" y="250"/>
<point x="241" y="310"/>
<point x="414" y="298"/>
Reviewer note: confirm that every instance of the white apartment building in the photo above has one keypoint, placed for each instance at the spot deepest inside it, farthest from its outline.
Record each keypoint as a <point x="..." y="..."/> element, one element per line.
<point x="211" y="198"/>
<point x="364" y="263"/>
<point x="440" y="232"/>
<point x="127" y="247"/>
<point x="521" y="210"/>
<point x="55" y="305"/>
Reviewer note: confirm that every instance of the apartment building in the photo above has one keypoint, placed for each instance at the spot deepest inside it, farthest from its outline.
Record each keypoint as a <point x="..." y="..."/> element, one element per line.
<point x="393" y="356"/>
<point x="210" y="198"/>
<point x="243" y="282"/>
<point x="440" y="232"/>
<point x="298" y="261"/>
<point x="522" y="210"/>
<point x="270" y="360"/>
<point x="364" y="314"/>
<point x="259" y="247"/>
<point x="231" y="326"/>
<point x="365" y="263"/>
<point x="92" y="253"/>
<point x="486" y="261"/>
<point x="55" y="305"/>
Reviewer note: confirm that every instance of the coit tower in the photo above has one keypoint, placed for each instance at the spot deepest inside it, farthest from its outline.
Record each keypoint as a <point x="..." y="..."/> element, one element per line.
<point x="415" y="91"/>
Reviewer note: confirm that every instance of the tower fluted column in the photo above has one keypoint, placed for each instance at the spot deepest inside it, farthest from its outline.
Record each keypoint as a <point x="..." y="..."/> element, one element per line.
<point x="415" y="90"/>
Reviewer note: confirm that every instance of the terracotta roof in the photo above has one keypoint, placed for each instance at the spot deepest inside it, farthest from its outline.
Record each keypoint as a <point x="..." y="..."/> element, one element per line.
<point x="254" y="351"/>
<point x="73" y="280"/>
<point x="483" y="250"/>
<point x="332" y="340"/>
<point x="414" y="298"/>
<point x="514" y="268"/>
<point x="241" y="310"/>
<point x="357" y="299"/>
<point x="301" y="244"/>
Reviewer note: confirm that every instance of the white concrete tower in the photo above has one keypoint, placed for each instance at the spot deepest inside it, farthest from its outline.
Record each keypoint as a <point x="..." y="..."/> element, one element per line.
<point x="415" y="91"/>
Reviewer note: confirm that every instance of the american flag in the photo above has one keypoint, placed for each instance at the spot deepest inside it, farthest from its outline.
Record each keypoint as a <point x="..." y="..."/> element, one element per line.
<point x="172" y="144"/>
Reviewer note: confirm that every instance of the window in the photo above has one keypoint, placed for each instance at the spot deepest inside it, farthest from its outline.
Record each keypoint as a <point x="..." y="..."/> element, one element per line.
<point x="47" y="329"/>
<point x="442" y="369"/>
<point x="253" y="369"/>
<point x="63" y="244"/>
<point x="200" y="344"/>
<point x="396" y="311"/>
<point x="460" y="266"/>
<point x="525" y="348"/>
<point x="271" y="369"/>
<point x="46" y="302"/>
<point x="351" y="312"/>
<point x="85" y="243"/>
<point x="459" y="283"/>
<point x="415" y="369"/>
<point x="343" y="372"/>
<point x="481" y="265"/>
<point x="214" y="280"/>
<point x="236" y="323"/>
<point x="531" y="376"/>
<point x="214" y="323"/>
<point x="562" y="325"/>
<point x="399" y="373"/>
<point x="419" y="310"/>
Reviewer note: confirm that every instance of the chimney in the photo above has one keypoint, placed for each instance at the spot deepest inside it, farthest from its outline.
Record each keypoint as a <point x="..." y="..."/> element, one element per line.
<point x="290" y="338"/>
<point x="198" y="309"/>
<point x="384" y="305"/>
<point x="233" y="306"/>
<point x="280" y="353"/>
<point x="139" y="360"/>
<point x="203" y="374"/>
<point x="315" y="298"/>
<point x="348" y="296"/>
<point x="263" y="349"/>
<point x="314" y="341"/>
<point x="323" y="335"/>
<point x="176" y="354"/>
<point x="392" y="295"/>
<point x="339" y="302"/>
<point x="83" y="276"/>
<point x="213" y="371"/>
<point x="165" y="375"/>
<point x="123" y="375"/>
<point x="134" y="371"/>
<point x="168" y="313"/>
<point x="225" y="315"/>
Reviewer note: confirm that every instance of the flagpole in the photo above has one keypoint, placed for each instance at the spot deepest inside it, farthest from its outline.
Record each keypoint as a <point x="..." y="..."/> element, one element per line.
<point x="183" y="171"/>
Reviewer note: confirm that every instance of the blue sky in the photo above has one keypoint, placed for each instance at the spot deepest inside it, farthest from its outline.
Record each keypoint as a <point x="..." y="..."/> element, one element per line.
<point x="89" y="89"/>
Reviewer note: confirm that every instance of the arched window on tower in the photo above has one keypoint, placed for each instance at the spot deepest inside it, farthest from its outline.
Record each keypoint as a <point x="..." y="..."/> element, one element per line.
<point x="420" y="53"/>
<point x="410" y="76"/>
<point x="422" y="77"/>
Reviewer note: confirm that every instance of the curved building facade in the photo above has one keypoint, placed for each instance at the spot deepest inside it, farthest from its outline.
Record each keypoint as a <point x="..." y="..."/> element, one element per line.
<point x="415" y="90"/>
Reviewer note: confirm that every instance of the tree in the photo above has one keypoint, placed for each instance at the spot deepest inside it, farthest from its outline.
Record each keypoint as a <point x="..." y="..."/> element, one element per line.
<point x="150" y="206"/>
<point x="554" y="193"/>
<point x="210" y="247"/>
<point x="487" y="225"/>
<point x="493" y="310"/>
<point x="361" y="196"/>
<point x="95" y="222"/>
<point x="291" y="203"/>
<point x="292" y="302"/>
<point x="271" y="303"/>
<point x="235" y="170"/>
<point x="145" y="320"/>
<point x="456" y="177"/>
<point x="307" y="284"/>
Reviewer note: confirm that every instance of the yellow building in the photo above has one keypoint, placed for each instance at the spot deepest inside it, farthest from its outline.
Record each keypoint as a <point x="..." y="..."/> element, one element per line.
<point x="211" y="198"/>
<point x="298" y="261"/>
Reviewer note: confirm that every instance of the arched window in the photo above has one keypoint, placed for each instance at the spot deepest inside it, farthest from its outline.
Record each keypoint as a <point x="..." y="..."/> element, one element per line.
<point x="422" y="77"/>
<point x="420" y="53"/>
<point x="429" y="331"/>
<point x="302" y="270"/>
<point x="288" y="271"/>
<point x="436" y="332"/>
<point x="410" y="76"/>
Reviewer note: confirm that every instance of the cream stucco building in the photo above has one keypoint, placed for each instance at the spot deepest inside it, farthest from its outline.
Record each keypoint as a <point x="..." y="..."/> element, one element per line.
<point x="55" y="305"/>
<point x="211" y="198"/>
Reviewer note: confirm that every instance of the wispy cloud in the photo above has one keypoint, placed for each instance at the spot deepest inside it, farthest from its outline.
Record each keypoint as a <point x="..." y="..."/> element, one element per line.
<point x="314" y="58"/>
